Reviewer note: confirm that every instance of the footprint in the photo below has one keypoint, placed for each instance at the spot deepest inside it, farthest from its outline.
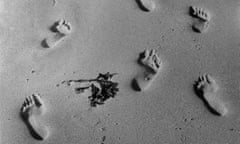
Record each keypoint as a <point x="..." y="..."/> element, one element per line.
<point x="200" y="13"/>
<point x="62" y="28"/>
<point x="207" y="89"/>
<point x="146" y="5"/>
<point x="200" y="27"/>
<point x="52" y="41"/>
<point x="202" y="19"/>
<point x="151" y="62"/>
<point x="33" y="107"/>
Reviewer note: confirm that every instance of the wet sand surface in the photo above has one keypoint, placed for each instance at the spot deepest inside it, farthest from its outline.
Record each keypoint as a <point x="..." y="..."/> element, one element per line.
<point x="108" y="36"/>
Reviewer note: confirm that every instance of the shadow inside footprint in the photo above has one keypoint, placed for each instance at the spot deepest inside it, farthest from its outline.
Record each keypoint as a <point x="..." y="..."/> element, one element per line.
<point x="199" y="13"/>
<point x="200" y="93"/>
<point x="31" y="107"/>
<point x="31" y="129"/>
<point x="141" y="6"/>
<point x="200" y="26"/>
<point x="191" y="12"/>
<point x="53" y="28"/>
<point x="135" y="85"/>
<point x="44" y="43"/>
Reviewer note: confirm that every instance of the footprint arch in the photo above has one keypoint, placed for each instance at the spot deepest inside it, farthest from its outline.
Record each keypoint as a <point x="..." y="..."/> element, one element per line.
<point x="32" y="108"/>
<point x="207" y="88"/>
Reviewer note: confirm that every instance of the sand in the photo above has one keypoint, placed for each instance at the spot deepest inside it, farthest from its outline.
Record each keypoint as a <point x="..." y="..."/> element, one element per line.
<point x="46" y="43"/>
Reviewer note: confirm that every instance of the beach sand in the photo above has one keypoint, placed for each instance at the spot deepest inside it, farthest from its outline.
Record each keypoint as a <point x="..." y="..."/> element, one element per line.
<point x="108" y="36"/>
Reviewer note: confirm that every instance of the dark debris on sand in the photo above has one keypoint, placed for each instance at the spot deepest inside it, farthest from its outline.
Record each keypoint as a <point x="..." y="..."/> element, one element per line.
<point x="108" y="89"/>
<point x="105" y="89"/>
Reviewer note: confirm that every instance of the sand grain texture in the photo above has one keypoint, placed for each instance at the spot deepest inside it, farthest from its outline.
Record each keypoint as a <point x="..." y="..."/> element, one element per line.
<point x="46" y="43"/>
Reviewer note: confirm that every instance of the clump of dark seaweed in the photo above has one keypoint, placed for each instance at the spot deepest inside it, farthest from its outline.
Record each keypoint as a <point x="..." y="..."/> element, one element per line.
<point x="102" y="88"/>
<point x="108" y="89"/>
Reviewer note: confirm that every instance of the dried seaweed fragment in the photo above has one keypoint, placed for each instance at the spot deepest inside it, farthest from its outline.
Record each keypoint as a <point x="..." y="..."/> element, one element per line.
<point x="102" y="88"/>
<point x="107" y="89"/>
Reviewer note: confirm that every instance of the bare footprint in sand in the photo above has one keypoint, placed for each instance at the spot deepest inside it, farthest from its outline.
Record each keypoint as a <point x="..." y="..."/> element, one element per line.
<point x="208" y="90"/>
<point x="200" y="13"/>
<point x="151" y="62"/>
<point x="32" y="108"/>
<point x="146" y="5"/>
<point x="62" y="28"/>
<point x="202" y="19"/>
